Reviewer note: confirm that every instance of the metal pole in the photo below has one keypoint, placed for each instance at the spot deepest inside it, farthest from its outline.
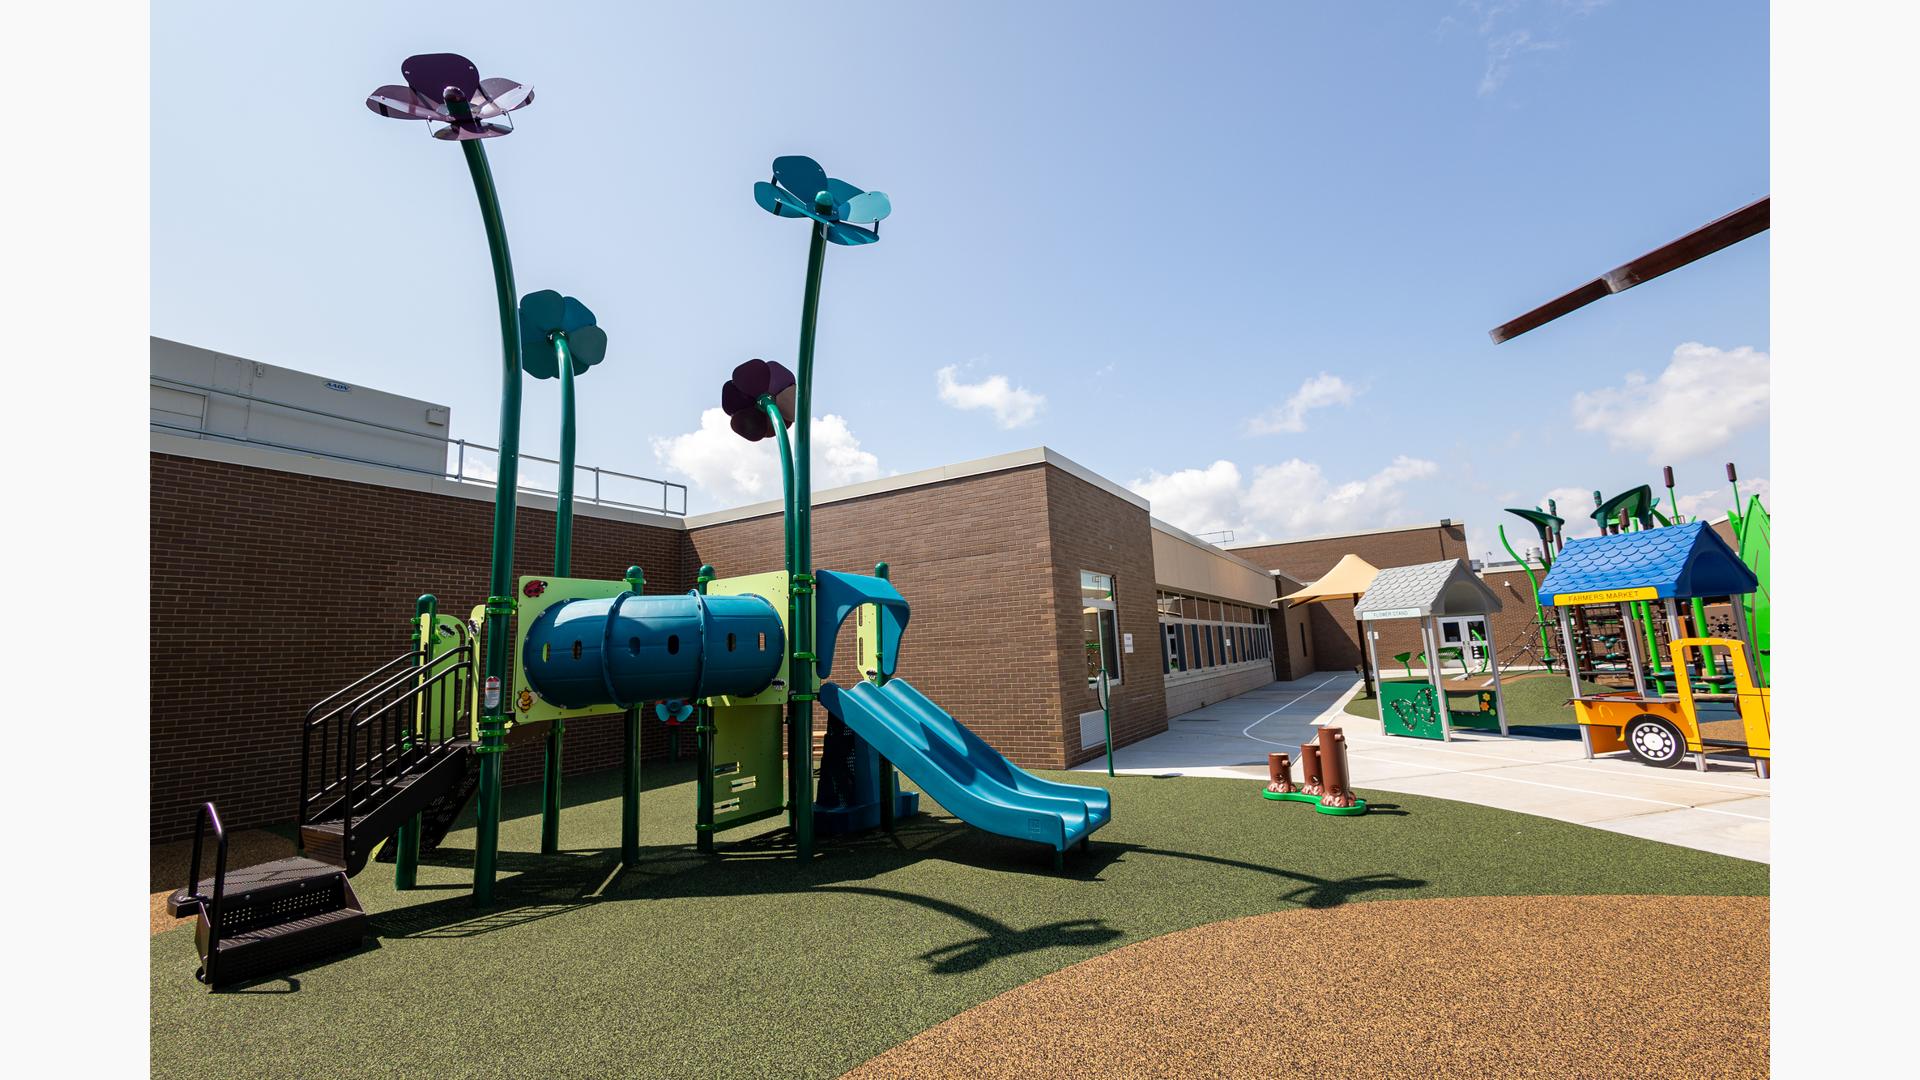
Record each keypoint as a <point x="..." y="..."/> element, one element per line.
<point x="562" y="567"/>
<point x="406" y="858"/>
<point x="493" y="719"/>
<point x="703" y="752"/>
<point x="1373" y="664"/>
<point x="1366" y="677"/>
<point x="1674" y="633"/>
<point x="802" y="691"/>
<point x="630" y="773"/>
<point x="563" y="504"/>
<point x="888" y="782"/>
<point x="1431" y="640"/>
<point x="1573" y="675"/>
<point x="1499" y="695"/>
<point x="1633" y="649"/>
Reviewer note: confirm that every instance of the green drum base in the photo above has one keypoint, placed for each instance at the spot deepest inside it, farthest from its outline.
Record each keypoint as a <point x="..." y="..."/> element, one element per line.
<point x="1359" y="805"/>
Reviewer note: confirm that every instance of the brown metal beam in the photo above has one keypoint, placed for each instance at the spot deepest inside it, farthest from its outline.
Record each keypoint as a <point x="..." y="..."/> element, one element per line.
<point x="1747" y="221"/>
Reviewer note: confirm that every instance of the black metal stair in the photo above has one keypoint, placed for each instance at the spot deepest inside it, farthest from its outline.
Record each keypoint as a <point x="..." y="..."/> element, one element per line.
<point x="348" y="839"/>
<point x="264" y="918"/>
<point x="437" y="819"/>
<point x="386" y="750"/>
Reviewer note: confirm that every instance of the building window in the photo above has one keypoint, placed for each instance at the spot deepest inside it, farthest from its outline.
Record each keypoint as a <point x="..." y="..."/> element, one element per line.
<point x="1100" y="621"/>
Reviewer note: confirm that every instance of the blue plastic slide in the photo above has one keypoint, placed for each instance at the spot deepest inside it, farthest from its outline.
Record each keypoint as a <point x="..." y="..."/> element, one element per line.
<point x="958" y="770"/>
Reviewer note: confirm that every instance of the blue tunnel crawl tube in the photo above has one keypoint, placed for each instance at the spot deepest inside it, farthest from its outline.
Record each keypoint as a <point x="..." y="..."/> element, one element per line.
<point x="627" y="649"/>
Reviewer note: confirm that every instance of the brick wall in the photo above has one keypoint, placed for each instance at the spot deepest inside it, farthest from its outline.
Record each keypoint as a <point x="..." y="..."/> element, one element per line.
<point x="271" y="590"/>
<point x="1093" y="529"/>
<point x="1336" y="644"/>
<point x="971" y="557"/>
<point x="1292" y="637"/>
<point x="1186" y="694"/>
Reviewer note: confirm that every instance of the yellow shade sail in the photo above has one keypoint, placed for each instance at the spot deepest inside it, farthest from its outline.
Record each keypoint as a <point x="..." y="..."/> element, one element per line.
<point x="1348" y="580"/>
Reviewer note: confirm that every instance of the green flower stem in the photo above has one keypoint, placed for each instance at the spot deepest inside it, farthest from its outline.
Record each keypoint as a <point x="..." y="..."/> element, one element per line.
<point x="801" y="688"/>
<point x="562" y="567"/>
<point x="493" y="718"/>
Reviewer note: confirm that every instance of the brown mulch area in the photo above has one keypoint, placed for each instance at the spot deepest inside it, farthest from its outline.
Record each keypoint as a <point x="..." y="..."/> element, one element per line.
<point x="1481" y="987"/>
<point x="170" y="862"/>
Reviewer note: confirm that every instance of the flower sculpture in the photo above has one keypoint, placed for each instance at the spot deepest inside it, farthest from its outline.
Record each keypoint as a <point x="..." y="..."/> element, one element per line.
<point x="801" y="188"/>
<point x="446" y="88"/>
<point x="545" y="315"/>
<point x="740" y="398"/>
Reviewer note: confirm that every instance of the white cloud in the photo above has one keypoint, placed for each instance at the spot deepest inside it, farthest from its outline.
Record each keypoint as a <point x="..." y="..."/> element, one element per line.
<point x="1503" y="50"/>
<point x="1198" y="500"/>
<point x="1575" y="506"/>
<point x="1292" y="498"/>
<point x="726" y="470"/>
<point x="1703" y="397"/>
<point x="1013" y="406"/>
<point x="1714" y="503"/>
<point x="1318" y="392"/>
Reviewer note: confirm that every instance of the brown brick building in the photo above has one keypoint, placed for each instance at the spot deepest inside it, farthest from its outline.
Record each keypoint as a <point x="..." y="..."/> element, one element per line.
<point x="281" y="576"/>
<point x="1335" y="642"/>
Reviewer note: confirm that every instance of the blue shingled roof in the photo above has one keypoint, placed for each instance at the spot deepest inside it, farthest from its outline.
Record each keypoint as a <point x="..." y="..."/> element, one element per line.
<point x="1681" y="561"/>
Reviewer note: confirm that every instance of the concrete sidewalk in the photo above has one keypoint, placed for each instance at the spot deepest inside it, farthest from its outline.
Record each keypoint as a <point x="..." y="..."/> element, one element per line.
<point x="1725" y="810"/>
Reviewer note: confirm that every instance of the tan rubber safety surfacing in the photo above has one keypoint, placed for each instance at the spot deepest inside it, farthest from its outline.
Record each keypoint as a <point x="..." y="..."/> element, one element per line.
<point x="1502" y="986"/>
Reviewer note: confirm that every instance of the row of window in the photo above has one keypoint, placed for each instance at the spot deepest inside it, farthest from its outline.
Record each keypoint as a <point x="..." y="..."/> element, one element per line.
<point x="1175" y="605"/>
<point x="1198" y="633"/>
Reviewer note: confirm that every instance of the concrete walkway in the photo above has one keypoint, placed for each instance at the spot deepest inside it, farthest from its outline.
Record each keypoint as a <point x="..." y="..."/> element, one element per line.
<point x="1724" y="810"/>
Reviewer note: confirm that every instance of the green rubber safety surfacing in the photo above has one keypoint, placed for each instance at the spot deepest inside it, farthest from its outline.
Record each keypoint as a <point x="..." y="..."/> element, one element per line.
<point x="1359" y="805"/>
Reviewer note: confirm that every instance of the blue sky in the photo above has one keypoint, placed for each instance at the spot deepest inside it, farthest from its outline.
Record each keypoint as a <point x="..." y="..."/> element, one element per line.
<point x="1131" y="232"/>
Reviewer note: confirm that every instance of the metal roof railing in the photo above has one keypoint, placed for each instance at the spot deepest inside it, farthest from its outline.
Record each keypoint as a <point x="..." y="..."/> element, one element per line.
<point x="592" y="483"/>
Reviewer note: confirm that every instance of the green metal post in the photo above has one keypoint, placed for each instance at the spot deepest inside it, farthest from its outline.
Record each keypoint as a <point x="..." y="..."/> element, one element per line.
<point x="703" y="752"/>
<point x="1533" y="592"/>
<point x="888" y="782"/>
<point x="562" y="567"/>
<point x="563" y="509"/>
<point x="406" y="856"/>
<point x="788" y="523"/>
<point x="493" y="717"/>
<point x="630" y="779"/>
<point x="801" y="679"/>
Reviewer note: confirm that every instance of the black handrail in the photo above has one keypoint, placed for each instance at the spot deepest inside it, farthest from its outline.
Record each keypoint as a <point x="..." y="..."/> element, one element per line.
<point x="209" y="906"/>
<point x="343" y="751"/>
<point x="395" y="755"/>
<point x="308" y="724"/>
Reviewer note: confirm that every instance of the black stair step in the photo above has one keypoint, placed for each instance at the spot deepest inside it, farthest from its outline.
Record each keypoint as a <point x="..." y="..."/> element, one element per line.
<point x="431" y="776"/>
<point x="263" y="950"/>
<point x="436" y="821"/>
<point x="249" y="879"/>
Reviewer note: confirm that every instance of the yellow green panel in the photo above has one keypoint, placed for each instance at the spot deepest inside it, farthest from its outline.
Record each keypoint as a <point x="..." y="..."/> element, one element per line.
<point x="771" y="587"/>
<point x="866" y="636"/>
<point x="436" y="708"/>
<point x="749" y="775"/>
<point x="528" y="707"/>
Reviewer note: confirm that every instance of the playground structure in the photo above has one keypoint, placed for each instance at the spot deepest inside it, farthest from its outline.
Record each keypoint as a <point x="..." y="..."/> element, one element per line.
<point x="389" y="761"/>
<point x="1422" y="707"/>
<point x="1717" y="705"/>
<point x="1598" y="642"/>
<point x="1325" y="779"/>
